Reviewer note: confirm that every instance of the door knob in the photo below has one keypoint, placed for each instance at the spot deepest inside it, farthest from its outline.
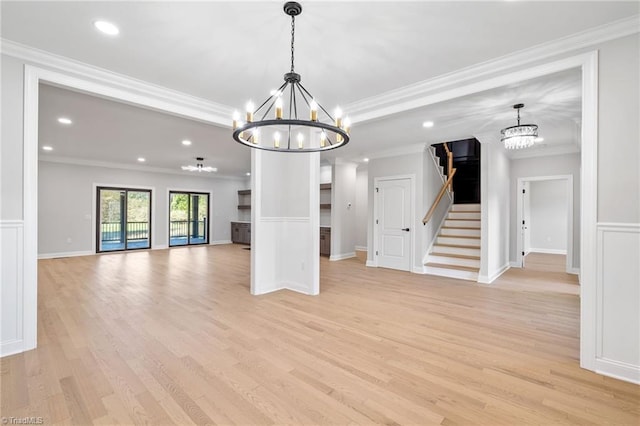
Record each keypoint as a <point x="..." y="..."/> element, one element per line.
<point x="405" y="229"/>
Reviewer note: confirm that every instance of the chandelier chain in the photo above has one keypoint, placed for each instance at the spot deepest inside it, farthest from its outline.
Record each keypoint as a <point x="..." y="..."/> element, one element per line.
<point x="293" y="34"/>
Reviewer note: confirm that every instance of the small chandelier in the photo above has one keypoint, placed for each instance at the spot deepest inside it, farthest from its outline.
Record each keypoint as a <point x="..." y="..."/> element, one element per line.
<point x="520" y="136"/>
<point x="298" y="123"/>
<point x="199" y="167"/>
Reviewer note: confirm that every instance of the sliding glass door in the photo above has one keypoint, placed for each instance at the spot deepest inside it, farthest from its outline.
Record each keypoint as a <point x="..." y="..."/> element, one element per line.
<point x="188" y="223"/>
<point x="124" y="219"/>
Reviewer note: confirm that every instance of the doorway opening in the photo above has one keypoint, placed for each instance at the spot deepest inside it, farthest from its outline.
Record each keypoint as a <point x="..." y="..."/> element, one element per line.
<point x="545" y="214"/>
<point x="124" y="219"/>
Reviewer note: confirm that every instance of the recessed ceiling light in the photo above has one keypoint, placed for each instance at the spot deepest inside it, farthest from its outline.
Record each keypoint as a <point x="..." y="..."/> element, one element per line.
<point x="427" y="124"/>
<point x="366" y="160"/>
<point x="47" y="148"/>
<point x="64" y="120"/>
<point x="539" y="139"/>
<point x="186" y="142"/>
<point x="248" y="173"/>
<point x="141" y="159"/>
<point x="106" y="27"/>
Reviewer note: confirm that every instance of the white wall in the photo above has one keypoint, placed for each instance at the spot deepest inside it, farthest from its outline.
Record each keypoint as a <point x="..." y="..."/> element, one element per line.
<point x="410" y="164"/>
<point x="548" y="223"/>
<point x="343" y="211"/>
<point x="618" y="288"/>
<point x="66" y="199"/>
<point x="494" y="188"/>
<point x="11" y="146"/>
<point x="433" y="181"/>
<point x="362" y="206"/>
<point x="556" y="165"/>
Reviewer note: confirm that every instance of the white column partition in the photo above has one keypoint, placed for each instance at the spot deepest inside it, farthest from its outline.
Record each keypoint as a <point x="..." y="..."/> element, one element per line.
<point x="285" y="218"/>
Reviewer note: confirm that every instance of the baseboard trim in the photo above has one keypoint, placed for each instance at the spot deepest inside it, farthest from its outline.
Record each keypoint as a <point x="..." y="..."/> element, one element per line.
<point x="574" y="271"/>
<point x="361" y="248"/>
<point x="483" y="279"/>
<point x="371" y="264"/>
<point x="65" y="254"/>
<point x="419" y="270"/>
<point x="160" y="247"/>
<point x="547" y="251"/>
<point x="220" y="242"/>
<point x="343" y="256"/>
<point x="618" y="370"/>
<point x="514" y="265"/>
<point x="11" y="347"/>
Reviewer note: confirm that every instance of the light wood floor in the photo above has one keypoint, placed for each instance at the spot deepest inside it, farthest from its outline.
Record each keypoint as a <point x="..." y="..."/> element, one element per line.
<point x="173" y="337"/>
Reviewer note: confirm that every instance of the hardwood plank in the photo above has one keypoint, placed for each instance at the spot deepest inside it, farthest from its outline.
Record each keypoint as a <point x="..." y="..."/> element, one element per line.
<point x="174" y="337"/>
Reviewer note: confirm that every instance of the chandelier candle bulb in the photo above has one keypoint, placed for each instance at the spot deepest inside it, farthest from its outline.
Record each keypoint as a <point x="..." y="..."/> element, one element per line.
<point x="313" y="107"/>
<point x="256" y="136"/>
<point x="347" y="124"/>
<point x="323" y="139"/>
<point x="276" y="140"/>
<point x="338" y="114"/>
<point x="249" y="112"/>
<point x="300" y="141"/>
<point x="279" y="108"/>
<point x="236" y="118"/>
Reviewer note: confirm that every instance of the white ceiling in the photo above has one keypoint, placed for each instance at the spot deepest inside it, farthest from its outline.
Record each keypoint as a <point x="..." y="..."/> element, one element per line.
<point x="229" y="52"/>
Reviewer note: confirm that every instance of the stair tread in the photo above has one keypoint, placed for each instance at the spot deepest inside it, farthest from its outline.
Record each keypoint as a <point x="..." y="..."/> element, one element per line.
<point x="458" y="256"/>
<point x="459" y="227"/>
<point x="477" y="220"/>
<point x="465" y="211"/>
<point x="456" y="246"/>
<point x="460" y="236"/>
<point x="458" y="267"/>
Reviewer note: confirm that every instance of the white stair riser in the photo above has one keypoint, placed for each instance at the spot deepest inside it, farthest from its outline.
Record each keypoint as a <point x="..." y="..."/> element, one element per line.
<point x="457" y="261"/>
<point x="464" y="215"/>
<point x="463" y="223"/>
<point x="459" y="241"/>
<point x="463" y="251"/>
<point x="452" y="273"/>
<point x="465" y="207"/>
<point x="457" y="232"/>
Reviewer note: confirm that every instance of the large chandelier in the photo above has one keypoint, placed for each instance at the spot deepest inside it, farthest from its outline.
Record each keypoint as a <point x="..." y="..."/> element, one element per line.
<point x="291" y="119"/>
<point x="520" y="136"/>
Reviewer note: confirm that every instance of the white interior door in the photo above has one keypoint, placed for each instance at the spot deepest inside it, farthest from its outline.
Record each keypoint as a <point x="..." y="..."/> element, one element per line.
<point x="394" y="223"/>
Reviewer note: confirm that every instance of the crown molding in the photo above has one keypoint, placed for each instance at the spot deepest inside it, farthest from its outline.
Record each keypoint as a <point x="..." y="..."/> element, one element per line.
<point x="191" y="106"/>
<point x="423" y="93"/>
<point x="396" y="152"/>
<point x="134" y="167"/>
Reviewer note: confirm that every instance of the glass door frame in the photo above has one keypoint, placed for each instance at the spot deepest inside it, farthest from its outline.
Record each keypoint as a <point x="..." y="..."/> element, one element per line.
<point x="125" y="213"/>
<point x="207" y="227"/>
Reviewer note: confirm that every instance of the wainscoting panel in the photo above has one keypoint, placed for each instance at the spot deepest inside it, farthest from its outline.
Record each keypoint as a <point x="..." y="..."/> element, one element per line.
<point x="618" y="296"/>
<point x="11" y="295"/>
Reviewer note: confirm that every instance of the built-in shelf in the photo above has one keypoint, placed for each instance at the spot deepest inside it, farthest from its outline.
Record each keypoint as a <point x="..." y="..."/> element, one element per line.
<point x="244" y="199"/>
<point x="325" y="206"/>
<point x="325" y="186"/>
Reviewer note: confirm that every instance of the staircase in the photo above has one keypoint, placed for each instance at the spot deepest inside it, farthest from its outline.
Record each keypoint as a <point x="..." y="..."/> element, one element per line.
<point x="456" y="251"/>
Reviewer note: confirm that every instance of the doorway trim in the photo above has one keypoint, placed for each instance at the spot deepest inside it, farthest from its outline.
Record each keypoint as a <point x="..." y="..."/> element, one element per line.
<point x="376" y="233"/>
<point x="113" y="86"/>
<point x="568" y="179"/>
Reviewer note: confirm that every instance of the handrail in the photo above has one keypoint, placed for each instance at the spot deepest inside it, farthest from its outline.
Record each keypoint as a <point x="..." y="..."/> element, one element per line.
<point x="439" y="197"/>
<point x="449" y="162"/>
